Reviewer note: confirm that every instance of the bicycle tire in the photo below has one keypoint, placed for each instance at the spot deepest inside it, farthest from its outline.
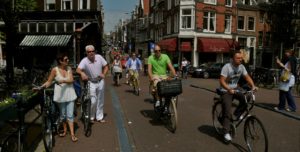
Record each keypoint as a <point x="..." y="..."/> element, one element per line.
<point x="172" y="118"/>
<point x="86" y="117"/>
<point x="136" y="87"/>
<point x="10" y="144"/>
<point x="47" y="132"/>
<point x="118" y="79"/>
<point x="217" y="117"/>
<point x="255" y="135"/>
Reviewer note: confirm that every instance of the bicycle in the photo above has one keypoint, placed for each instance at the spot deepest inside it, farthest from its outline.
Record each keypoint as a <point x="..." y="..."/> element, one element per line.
<point x="168" y="91"/>
<point x="265" y="77"/>
<point x="86" y="106"/>
<point x="50" y="118"/>
<point x="134" y="82"/>
<point x="255" y="134"/>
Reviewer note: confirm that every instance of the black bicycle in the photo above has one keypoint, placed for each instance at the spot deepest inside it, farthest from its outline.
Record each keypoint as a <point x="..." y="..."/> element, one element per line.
<point x="255" y="134"/>
<point x="168" y="91"/>
<point x="86" y="106"/>
<point x="50" y="118"/>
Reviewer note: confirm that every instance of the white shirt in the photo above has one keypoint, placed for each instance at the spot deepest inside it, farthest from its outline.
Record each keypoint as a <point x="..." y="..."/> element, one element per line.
<point x="92" y="69"/>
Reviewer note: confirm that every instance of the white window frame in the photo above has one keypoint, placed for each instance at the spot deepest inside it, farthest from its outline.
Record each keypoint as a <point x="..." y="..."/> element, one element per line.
<point x="248" y="23"/>
<point x="184" y="19"/>
<point x="230" y="1"/>
<point x="169" y="25"/>
<point x="251" y="3"/>
<point x="80" y="4"/>
<point x="228" y="22"/>
<point x="63" y="5"/>
<point x="210" y="2"/>
<point x="209" y="18"/>
<point x="169" y="4"/>
<point x="47" y="3"/>
<point x="176" y="23"/>
<point x="243" y="23"/>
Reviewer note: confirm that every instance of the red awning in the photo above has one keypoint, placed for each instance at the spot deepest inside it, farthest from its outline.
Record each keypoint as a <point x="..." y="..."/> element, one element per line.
<point x="168" y="44"/>
<point x="185" y="47"/>
<point x="216" y="45"/>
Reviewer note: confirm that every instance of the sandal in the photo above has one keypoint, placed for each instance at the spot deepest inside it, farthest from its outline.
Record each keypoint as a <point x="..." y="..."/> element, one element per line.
<point x="63" y="134"/>
<point x="74" y="138"/>
<point x="102" y="121"/>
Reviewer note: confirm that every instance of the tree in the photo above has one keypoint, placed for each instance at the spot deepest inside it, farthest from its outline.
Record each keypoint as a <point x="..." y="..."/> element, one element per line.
<point x="9" y="12"/>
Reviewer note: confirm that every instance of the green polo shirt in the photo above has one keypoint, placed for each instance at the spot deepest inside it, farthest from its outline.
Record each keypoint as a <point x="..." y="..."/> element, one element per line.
<point x="159" y="66"/>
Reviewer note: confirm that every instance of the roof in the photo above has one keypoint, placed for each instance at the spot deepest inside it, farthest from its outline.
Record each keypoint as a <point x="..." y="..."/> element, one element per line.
<point x="45" y="40"/>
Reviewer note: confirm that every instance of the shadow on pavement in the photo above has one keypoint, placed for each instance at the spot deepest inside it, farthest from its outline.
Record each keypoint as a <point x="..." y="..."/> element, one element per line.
<point x="155" y="121"/>
<point x="210" y="130"/>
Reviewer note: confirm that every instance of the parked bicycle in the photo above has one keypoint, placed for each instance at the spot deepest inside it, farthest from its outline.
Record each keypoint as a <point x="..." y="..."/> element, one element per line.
<point x="168" y="91"/>
<point x="265" y="77"/>
<point x="255" y="134"/>
<point x="51" y="123"/>
<point x="86" y="107"/>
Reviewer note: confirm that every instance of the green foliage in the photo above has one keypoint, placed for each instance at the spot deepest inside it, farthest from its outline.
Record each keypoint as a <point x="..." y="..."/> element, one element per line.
<point x="26" y="5"/>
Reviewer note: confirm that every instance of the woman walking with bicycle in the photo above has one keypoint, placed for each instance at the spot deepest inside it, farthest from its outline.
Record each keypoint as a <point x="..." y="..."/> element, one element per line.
<point x="64" y="93"/>
<point x="230" y="75"/>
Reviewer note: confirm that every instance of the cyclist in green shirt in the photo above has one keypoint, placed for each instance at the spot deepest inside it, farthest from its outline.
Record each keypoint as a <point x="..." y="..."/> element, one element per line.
<point x="158" y="64"/>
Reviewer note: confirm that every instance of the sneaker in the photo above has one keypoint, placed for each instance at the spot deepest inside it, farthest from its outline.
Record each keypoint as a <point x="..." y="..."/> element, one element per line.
<point x="227" y="137"/>
<point x="290" y="110"/>
<point x="157" y="103"/>
<point x="277" y="109"/>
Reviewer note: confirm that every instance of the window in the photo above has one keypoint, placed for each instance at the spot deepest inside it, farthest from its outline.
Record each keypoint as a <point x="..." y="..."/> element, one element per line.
<point x="268" y="39"/>
<point x="51" y="27"/>
<point x="241" y="22"/>
<point x="23" y="27"/>
<point x="261" y="17"/>
<point x="177" y="2"/>
<point x="32" y="27"/>
<point x="69" y="27"/>
<point x="42" y="27"/>
<point x="187" y="19"/>
<point x="50" y="5"/>
<point x="247" y="2"/>
<point x="227" y="23"/>
<point x="260" y="38"/>
<point x="228" y="3"/>
<point x="210" y="1"/>
<point x="251" y="23"/>
<point x="209" y="22"/>
<point x="60" y="27"/>
<point x="84" y="4"/>
<point x="66" y="5"/>
<point x="152" y="2"/>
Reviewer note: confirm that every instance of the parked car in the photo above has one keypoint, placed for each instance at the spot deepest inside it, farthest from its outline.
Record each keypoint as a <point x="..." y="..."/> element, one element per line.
<point x="205" y="71"/>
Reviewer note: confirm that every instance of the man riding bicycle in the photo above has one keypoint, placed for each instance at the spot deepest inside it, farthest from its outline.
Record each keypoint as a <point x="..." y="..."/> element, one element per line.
<point x="230" y="75"/>
<point x="133" y="65"/>
<point x="157" y="70"/>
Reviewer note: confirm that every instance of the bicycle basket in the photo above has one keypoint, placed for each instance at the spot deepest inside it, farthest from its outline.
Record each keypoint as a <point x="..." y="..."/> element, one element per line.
<point x="169" y="88"/>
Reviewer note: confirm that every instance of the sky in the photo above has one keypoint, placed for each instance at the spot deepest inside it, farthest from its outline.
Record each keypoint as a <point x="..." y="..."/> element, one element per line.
<point x="114" y="10"/>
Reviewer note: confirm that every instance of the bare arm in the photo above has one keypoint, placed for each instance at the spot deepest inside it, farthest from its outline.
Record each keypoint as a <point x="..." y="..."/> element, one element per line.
<point x="105" y="69"/>
<point x="250" y="81"/>
<point x="150" y="72"/>
<point x="82" y="74"/>
<point x="172" y="69"/>
<point x="50" y="78"/>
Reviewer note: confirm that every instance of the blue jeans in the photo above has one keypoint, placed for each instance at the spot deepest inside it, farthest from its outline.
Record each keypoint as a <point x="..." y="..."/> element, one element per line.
<point x="67" y="111"/>
<point x="290" y="100"/>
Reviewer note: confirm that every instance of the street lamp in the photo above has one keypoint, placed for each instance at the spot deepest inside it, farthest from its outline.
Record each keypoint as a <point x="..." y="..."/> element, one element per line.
<point x="78" y="38"/>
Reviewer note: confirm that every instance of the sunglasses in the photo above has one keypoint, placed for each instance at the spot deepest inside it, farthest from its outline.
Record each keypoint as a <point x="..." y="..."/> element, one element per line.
<point x="157" y="50"/>
<point x="66" y="59"/>
<point x="90" y="51"/>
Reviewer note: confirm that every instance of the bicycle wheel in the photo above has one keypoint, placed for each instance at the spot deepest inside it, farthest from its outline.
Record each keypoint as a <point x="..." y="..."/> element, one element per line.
<point x="217" y="117"/>
<point x="136" y="87"/>
<point x="86" y="117"/>
<point x="172" y="116"/>
<point x="255" y="135"/>
<point x="47" y="131"/>
<point x="10" y="144"/>
<point x="118" y="79"/>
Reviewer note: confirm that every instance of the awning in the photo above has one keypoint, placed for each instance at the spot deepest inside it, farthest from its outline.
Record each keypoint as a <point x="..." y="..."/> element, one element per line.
<point x="168" y="44"/>
<point x="45" y="40"/>
<point x="185" y="47"/>
<point x="216" y="45"/>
